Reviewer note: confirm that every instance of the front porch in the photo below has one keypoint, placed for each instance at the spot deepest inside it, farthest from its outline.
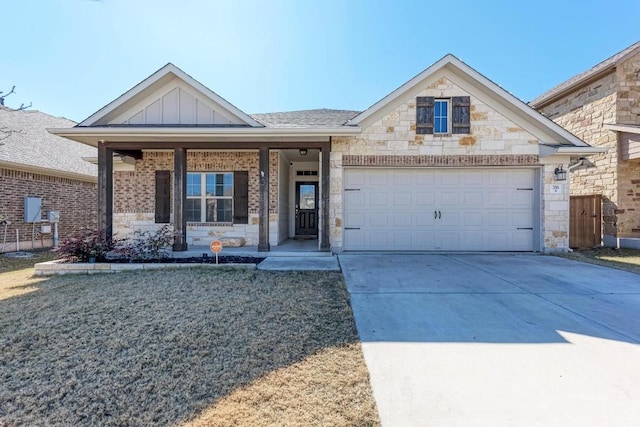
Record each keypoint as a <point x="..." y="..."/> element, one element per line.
<point x="260" y="181"/>
<point x="288" y="248"/>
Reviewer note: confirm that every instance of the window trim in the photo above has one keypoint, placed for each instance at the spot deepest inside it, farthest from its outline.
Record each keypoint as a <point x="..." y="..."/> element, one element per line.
<point x="203" y="196"/>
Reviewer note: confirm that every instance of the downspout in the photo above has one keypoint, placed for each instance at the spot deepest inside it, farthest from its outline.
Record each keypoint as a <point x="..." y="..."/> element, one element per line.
<point x="577" y="165"/>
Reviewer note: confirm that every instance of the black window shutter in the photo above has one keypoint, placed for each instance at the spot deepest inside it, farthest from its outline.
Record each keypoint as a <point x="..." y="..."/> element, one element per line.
<point x="424" y="115"/>
<point x="163" y="196"/>
<point x="241" y="197"/>
<point x="461" y="112"/>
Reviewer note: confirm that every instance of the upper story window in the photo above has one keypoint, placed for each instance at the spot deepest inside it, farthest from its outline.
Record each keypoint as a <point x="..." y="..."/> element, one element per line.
<point x="443" y="116"/>
<point x="209" y="197"/>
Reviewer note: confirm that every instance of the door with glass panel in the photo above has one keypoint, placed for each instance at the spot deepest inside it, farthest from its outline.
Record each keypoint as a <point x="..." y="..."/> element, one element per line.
<point x="306" y="208"/>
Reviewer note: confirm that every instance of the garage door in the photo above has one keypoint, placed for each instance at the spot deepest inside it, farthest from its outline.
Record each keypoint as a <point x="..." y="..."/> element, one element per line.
<point x="439" y="209"/>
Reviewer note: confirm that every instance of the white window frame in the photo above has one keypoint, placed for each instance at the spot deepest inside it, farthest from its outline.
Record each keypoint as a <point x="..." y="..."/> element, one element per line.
<point x="447" y="101"/>
<point x="203" y="195"/>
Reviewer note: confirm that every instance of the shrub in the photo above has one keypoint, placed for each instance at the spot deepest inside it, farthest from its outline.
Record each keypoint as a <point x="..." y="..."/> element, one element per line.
<point x="84" y="245"/>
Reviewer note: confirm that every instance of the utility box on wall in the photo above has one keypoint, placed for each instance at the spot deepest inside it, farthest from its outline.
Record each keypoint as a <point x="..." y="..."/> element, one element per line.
<point x="53" y="216"/>
<point x="32" y="209"/>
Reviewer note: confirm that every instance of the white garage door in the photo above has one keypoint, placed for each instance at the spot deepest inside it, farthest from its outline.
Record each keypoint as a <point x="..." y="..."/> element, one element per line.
<point x="439" y="209"/>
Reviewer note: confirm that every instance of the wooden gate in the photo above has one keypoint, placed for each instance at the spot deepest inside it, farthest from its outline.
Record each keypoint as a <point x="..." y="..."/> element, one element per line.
<point x="585" y="227"/>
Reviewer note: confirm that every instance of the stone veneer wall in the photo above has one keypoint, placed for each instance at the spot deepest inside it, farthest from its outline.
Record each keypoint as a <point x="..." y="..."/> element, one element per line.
<point x="628" y="112"/>
<point x="134" y="194"/>
<point x="583" y="113"/>
<point x="392" y="142"/>
<point x="614" y="98"/>
<point x="77" y="202"/>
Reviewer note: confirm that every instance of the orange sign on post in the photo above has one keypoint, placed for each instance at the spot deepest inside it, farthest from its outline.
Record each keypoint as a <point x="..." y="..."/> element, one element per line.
<point x="216" y="246"/>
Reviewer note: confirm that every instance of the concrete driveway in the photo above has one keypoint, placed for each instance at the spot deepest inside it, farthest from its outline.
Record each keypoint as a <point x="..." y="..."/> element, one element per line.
<point x="497" y="340"/>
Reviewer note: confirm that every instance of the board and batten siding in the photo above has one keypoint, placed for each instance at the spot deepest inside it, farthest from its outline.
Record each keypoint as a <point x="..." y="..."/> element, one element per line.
<point x="177" y="106"/>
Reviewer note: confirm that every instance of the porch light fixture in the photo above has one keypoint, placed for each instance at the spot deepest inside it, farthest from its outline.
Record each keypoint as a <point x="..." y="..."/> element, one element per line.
<point x="561" y="174"/>
<point x="303" y="151"/>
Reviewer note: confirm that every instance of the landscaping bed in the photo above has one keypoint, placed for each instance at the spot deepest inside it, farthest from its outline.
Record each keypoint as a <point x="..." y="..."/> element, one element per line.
<point x="193" y="346"/>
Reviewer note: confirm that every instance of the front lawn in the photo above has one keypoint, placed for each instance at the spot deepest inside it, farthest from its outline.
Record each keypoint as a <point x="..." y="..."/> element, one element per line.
<point x="193" y="346"/>
<point x="623" y="259"/>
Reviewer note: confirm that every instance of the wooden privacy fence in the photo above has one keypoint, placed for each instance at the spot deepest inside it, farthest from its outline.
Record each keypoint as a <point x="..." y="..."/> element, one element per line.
<point x="585" y="227"/>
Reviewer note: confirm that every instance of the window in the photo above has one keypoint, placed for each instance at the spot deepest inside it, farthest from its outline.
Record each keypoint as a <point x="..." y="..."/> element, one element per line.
<point x="209" y="197"/>
<point x="443" y="116"/>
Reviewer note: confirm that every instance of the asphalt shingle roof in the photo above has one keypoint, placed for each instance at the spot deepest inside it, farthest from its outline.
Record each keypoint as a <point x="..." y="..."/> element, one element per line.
<point x="609" y="62"/>
<point x="24" y="140"/>
<point x="306" y="118"/>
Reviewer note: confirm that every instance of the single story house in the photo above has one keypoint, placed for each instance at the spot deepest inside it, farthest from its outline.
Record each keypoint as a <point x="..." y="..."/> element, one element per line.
<point x="602" y="107"/>
<point x="41" y="173"/>
<point x="449" y="161"/>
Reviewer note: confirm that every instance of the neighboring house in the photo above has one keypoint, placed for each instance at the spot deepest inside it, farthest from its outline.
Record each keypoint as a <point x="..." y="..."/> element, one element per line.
<point x="448" y="161"/>
<point x="602" y="107"/>
<point x="48" y="170"/>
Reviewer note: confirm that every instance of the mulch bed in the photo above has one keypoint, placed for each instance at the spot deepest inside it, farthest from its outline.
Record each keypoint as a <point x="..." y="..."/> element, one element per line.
<point x="227" y="259"/>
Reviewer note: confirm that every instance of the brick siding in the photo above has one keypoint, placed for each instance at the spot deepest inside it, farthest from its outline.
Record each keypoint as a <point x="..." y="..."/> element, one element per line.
<point x="77" y="202"/>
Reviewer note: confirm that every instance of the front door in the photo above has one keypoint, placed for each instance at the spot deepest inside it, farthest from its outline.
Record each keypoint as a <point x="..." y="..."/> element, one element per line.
<point x="306" y="208"/>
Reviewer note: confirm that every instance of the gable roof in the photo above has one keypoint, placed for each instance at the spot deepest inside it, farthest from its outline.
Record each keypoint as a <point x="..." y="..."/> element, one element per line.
<point x="25" y="144"/>
<point x="480" y="86"/>
<point x="593" y="73"/>
<point x="320" y="118"/>
<point x="154" y="81"/>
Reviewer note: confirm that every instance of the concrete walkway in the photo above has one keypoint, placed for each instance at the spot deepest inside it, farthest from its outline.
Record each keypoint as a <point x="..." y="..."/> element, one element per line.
<point x="296" y="263"/>
<point x="498" y="340"/>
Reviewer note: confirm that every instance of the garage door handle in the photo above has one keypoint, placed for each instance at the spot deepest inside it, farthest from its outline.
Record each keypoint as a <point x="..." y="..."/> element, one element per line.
<point x="351" y="189"/>
<point x="439" y="214"/>
<point x="525" y="228"/>
<point x="352" y="228"/>
<point x="435" y="214"/>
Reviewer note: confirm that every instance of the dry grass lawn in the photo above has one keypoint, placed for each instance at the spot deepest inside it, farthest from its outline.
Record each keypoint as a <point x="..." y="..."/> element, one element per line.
<point x="16" y="274"/>
<point x="193" y="347"/>
<point x="624" y="259"/>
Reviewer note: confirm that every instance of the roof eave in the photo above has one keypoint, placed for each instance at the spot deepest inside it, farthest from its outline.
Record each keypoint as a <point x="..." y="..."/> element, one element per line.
<point x="586" y="80"/>
<point x="48" y="171"/>
<point x="91" y="135"/>
<point x="623" y="128"/>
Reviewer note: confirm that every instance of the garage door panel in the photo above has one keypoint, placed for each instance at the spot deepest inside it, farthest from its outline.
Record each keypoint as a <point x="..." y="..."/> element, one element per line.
<point x="472" y="198"/>
<point x="378" y="198"/>
<point x="403" y="178"/>
<point x="473" y="178"/>
<point x="449" y="178"/>
<point x="522" y="198"/>
<point x="425" y="198"/>
<point x="440" y="209"/>
<point x="402" y="219"/>
<point x="498" y="198"/>
<point x="377" y="219"/>
<point x="450" y="198"/>
<point x="472" y="219"/>
<point x="354" y="198"/>
<point x="521" y="219"/>
<point x="403" y="199"/>
<point x="379" y="179"/>
<point x="355" y="219"/>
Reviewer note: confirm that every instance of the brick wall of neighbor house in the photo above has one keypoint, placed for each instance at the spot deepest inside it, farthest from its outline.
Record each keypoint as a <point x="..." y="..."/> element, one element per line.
<point x="628" y="112"/>
<point x="76" y="201"/>
<point x="134" y="194"/>
<point x="583" y="113"/>
<point x="494" y="140"/>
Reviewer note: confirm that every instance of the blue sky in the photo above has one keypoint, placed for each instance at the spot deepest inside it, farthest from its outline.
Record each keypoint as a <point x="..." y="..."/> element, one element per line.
<point x="71" y="57"/>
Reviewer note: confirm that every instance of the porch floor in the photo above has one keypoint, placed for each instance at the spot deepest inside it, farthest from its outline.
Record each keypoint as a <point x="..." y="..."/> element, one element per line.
<point x="288" y="248"/>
